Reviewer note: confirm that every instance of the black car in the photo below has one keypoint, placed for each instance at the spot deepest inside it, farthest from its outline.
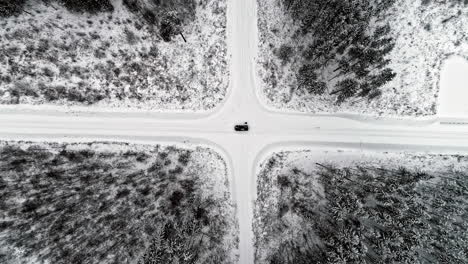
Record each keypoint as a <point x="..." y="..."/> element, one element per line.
<point x="242" y="128"/>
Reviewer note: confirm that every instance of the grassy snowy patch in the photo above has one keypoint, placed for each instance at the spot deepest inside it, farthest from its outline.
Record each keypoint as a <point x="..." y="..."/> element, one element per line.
<point x="344" y="207"/>
<point x="115" y="58"/>
<point x="424" y="33"/>
<point x="114" y="203"/>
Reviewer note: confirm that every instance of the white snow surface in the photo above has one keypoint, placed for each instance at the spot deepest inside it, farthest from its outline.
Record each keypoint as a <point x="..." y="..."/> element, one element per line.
<point x="454" y="87"/>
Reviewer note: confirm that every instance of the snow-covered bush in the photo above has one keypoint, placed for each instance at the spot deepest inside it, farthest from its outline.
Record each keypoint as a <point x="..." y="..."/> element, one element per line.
<point x="285" y="52"/>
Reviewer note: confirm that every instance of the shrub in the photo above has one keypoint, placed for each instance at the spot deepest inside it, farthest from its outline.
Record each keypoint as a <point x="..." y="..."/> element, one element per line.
<point x="163" y="155"/>
<point x="130" y="36"/>
<point x="308" y="80"/>
<point x="5" y="78"/>
<point x="176" y="198"/>
<point x="176" y="170"/>
<point x="99" y="53"/>
<point x="23" y="88"/>
<point x="283" y="181"/>
<point x="90" y="6"/>
<point x="73" y="95"/>
<point x="48" y="72"/>
<point x="122" y="193"/>
<point x="93" y="96"/>
<point x="153" y="52"/>
<point x="170" y="26"/>
<point x="43" y="45"/>
<point x="184" y="158"/>
<point x="53" y="93"/>
<point x="285" y="52"/>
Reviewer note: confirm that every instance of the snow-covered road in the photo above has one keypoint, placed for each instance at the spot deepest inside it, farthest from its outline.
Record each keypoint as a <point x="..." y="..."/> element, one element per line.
<point x="269" y="130"/>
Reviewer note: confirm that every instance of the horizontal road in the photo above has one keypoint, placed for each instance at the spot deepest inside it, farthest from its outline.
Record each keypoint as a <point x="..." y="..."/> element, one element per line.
<point x="269" y="130"/>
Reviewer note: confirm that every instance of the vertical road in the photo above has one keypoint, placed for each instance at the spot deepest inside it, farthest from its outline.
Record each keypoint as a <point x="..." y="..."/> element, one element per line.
<point x="239" y="107"/>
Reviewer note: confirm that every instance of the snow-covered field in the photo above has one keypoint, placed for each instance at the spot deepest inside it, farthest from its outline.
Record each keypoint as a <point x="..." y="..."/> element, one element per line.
<point x="104" y="202"/>
<point x="353" y="206"/>
<point x="112" y="61"/>
<point x="425" y="35"/>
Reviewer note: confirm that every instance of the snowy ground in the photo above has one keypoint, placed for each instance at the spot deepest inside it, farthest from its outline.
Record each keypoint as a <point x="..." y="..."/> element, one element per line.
<point x="425" y="36"/>
<point x="53" y="58"/>
<point x="274" y="226"/>
<point x="454" y="88"/>
<point x="106" y="202"/>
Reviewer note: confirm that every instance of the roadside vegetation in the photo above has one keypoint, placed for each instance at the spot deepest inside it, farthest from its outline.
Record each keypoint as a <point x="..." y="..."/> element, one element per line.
<point x="360" y="213"/>
<point x="145" y="54"/>
<point x="114" y="203"/>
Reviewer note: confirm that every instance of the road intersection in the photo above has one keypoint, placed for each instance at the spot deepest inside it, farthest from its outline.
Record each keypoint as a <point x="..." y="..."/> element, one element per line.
<point x="269" y="130"/>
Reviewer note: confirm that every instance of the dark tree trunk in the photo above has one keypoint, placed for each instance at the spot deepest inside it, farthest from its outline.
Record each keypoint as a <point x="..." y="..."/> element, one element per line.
<point x="182" y="35"/>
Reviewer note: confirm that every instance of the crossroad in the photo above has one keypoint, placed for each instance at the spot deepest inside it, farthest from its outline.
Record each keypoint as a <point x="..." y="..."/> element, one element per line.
<point x="244" y="151"/>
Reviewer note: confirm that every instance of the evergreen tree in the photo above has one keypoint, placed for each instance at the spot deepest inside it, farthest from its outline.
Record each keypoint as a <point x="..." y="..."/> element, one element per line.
<point x="169" y="16"/>
<point x="345" y="89"/>
<point x="308" y="80"/>
<point x="344" y="36"/>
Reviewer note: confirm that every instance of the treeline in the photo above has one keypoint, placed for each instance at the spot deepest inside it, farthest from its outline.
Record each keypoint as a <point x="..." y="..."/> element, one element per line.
<point x="169" y="16"/>
<point x="348" y="37"/>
